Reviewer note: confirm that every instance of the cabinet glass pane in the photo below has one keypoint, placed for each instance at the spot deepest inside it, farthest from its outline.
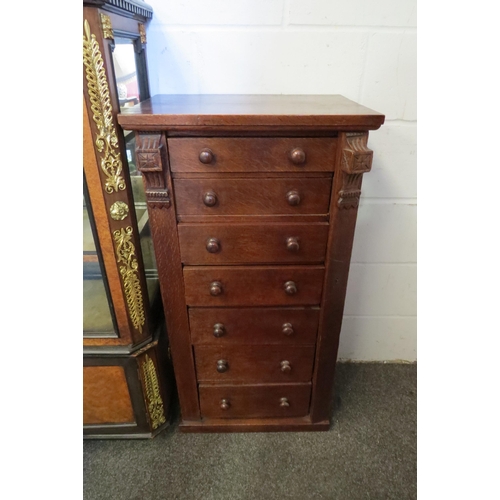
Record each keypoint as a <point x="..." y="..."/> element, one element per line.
<point x="124" y="63"/>
<point x="97" y="315"/>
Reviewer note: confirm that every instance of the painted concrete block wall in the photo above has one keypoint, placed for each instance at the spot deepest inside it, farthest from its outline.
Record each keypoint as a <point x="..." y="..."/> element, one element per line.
<point x="362" y="49"/>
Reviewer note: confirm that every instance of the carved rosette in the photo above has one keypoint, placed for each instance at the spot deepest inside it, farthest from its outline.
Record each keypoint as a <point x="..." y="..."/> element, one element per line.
<point x="153" y="395"/>
<point x="149" y="162"/>
<point x="356" y="160"/>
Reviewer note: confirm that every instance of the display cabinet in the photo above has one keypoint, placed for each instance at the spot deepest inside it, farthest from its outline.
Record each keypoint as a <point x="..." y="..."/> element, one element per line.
<point x="127" y="377"/>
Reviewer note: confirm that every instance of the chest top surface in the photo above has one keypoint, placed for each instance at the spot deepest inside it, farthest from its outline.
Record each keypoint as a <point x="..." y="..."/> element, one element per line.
<point x="192" y="110"/>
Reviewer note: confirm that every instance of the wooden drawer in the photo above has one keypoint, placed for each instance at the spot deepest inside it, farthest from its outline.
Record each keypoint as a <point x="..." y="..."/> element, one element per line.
<point x="253" y="285"/>
<point x="254" y="401"/>
<point x="254" y="363"/>
<point x="252" y="243"/>
<point x="252" y="154"/>
<point x="227" y="326"/>
<point x="237" y="196"/>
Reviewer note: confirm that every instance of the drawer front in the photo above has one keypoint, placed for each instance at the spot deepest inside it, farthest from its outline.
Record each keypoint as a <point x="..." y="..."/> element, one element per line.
<point x="252" y="154"/>
<point x="255" y="401"/>
<point x="254" y="363"/>
<point x="252" y="243"/>
<point x="236" y="196"/>
<point x="253" y="285"/>
<point x="230" y="326"/>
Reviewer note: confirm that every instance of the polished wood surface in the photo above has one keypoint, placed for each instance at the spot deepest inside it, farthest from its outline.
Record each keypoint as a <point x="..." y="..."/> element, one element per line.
<point x="246" y="170"/>
<point x="255" y="401"/>
<point x="253" y="285"/>
<point x="102" y="384"/>
<point x="210" y="155"/>
<point x="254" y="325"/>
<point x="236" y="111"/>
<point x="218" y="244"/>
<point x="253" y="363"/>
<point x="254" y="196"/>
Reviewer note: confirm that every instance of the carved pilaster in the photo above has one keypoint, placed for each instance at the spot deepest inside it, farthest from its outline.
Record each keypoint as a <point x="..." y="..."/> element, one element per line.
<point x="356" y="160"/>
<point x="149" y="162"/>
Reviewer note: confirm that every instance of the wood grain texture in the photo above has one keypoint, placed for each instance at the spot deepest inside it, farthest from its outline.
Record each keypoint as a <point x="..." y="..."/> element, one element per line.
<point x="163" y="112"/>
<point x="290" y="424"/>
<point x="248" y="154"/>
<point x="254" y="363"/>
<point x="257" y="196"/>
<point x="217" y="244"/>
<point x="243" y="326"/>
<point x="340" y="240"/>
<point x="163" y="221"/>
<point x="102" y="384"/>
<point x="253" y="285"/>
<point x="255" y="401"/>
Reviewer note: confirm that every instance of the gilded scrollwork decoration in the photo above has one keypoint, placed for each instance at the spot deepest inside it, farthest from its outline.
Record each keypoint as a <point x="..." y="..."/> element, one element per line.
<point x="128" y="267"/>
<point x="142" y="32"/>
<point x="155" y="403"/>
<point x="119" y="210"/>
<point x="106" y="141"/>
<point x="107" y="28"/>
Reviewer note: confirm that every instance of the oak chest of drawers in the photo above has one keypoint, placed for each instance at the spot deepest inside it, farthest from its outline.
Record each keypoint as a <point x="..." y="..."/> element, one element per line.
<point x="253" y="203"/>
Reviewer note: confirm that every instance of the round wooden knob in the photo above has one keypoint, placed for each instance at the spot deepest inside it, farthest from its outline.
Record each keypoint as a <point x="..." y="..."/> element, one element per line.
<point x="210" y="199"/>
<point x="293" y="197"/>
<point x="213" y="245"/>
<point x="283" y="403"/>
<point x="287" y="329"/>
<point x="298" y="156"/>
<point x="292" y="244"/>
<point x="219" y="330"/>
<point x="215" y="288"/>
<point x="225" y="404"/>
<point x="222" y="366"/>
<point x="206" y="156"/>
<point x="290" y="288"/>
<point x="285" y="367"/>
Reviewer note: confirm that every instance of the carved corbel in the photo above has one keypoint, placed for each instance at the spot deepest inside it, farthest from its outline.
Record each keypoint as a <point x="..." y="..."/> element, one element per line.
<point x="356" y="160"/>
<point x="149" y="162"/>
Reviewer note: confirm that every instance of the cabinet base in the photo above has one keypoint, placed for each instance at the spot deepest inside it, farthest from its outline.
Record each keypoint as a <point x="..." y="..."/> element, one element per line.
<point x="254" y="425"/>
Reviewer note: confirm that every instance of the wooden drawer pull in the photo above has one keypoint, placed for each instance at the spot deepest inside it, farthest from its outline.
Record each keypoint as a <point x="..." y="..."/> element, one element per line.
<point x="283" y="403"/>
<point x="292" y="197"/>
<point x="222" y="366"/>
<point x="219" y="330"/>
<point x="215" y="288"/>
<point x="213" y="245"/>
<point x="292" y="244"/>
<point x="298" y="156"/>
<point x="290" y="288"/>
<point x="207" y="156"/>
<point x="287" y="329"/>
<point x="225" y="404"/>
<point x="285" y="367"/>
<point x="210" y="199"/>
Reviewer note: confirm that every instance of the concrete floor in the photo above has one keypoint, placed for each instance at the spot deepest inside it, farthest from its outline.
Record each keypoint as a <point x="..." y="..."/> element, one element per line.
<point x="368" y="453"/>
